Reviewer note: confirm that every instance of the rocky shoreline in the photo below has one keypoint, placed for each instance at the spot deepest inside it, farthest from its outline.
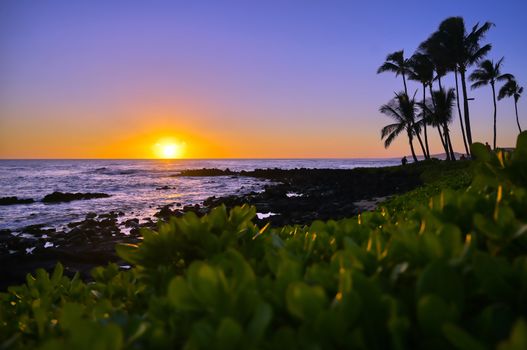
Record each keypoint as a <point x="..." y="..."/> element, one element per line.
<point x="298" y="196"/>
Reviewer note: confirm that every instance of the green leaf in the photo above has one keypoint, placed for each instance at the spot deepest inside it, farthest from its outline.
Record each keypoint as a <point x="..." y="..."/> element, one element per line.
<point x="433" y="312"/>
<point x="260" y="321"/>
<point x="304" y="301"/>
<point x="442" y="280"/>
<point x="228" y="334"/>
<point x="204" y="282"/>
<point x="518" y="338"/>
<point x="180" y="295"/>
<point x="128" y="252"/>
<point x="461" y="339"/>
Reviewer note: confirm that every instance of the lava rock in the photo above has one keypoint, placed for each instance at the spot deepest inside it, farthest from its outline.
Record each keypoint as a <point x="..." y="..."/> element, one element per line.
<point x="57" y="197"/>
<point x="15" y="200"/>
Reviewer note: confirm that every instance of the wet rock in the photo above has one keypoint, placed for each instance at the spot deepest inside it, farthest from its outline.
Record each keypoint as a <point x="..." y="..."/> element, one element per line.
<point x="15" y="200"/>
<point x="166" y="212"/>
<point x="131" y="223"/>
<point x="58" y="197"/>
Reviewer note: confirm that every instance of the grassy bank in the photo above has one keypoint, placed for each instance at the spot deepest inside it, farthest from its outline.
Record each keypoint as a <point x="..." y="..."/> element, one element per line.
<point x="447" y="274"/>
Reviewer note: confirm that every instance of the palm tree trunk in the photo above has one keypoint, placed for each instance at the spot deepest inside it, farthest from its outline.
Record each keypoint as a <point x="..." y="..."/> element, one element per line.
<point x="449" y="142"/>
<point x="445" y="144"/>
<point x="424" y="124"/>
<point x="495" y="110"/>
<point x="418" y="134"/>
<point x="432" y="96"/>
<point x="516" y="109"/>
<point x="467" y="150"/>
<point x="465" y="106"/>
<point x="412" y="146"/>
<point x="404" y="82"/>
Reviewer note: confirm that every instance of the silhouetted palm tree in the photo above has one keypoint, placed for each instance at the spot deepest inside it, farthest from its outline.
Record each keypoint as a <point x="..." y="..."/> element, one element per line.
<point x="396" y="63"/>
<point x="464" y="50"/>
<point x="402" y="110"/>
<point x="512" y="89"/>
<point x="436" y="48"/>
<point x="442" y="115"/>
<point x="421" y="69"/>
<point x="487" y="73"/>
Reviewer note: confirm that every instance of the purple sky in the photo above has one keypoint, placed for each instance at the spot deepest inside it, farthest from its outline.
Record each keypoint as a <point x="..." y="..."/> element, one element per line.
<point x="227" y="78"/>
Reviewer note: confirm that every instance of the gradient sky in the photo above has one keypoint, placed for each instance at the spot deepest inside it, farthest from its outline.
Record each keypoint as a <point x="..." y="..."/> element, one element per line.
<point x="108" y="79"/>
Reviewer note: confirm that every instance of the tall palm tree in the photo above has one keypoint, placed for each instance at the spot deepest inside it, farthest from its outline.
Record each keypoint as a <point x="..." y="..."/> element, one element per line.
<point x="396" y="63"/>
<point x="464" y="50"/>
<point x="421" y="69"/>
<point x="487" y="73"/>
<point x="402" y="110"/>
<point x="512" y="89"/>
<point x="438" y="51"/>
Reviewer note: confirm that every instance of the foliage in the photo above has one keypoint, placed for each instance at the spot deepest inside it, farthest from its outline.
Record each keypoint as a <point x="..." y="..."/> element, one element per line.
<point x="448" y="275"/>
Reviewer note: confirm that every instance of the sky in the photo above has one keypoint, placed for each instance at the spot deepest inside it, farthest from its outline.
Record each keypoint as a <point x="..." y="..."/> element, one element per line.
<point x="227" y="79"/>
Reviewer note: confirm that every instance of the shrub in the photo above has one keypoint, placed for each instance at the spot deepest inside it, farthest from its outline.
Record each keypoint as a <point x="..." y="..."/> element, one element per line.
<point x="451" y="274"/>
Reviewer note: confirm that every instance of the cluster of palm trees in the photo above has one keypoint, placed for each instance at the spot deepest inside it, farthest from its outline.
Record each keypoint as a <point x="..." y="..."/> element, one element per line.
<point x="451" y="49"/>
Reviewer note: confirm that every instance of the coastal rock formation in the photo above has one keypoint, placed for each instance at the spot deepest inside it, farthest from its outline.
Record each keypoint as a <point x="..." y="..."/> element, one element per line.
<point x="57" y="197"/>
<point x="15" y="200"/>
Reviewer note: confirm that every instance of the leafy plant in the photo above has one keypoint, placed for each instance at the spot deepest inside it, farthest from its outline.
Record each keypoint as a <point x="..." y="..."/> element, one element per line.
<point x="448" y="273"/>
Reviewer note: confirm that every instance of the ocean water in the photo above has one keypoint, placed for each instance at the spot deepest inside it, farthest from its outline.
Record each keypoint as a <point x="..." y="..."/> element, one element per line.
<point x="136" y="187"/>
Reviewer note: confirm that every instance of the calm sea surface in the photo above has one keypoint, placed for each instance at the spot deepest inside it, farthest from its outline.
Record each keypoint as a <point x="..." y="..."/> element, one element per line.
<point x="137" y="187"/>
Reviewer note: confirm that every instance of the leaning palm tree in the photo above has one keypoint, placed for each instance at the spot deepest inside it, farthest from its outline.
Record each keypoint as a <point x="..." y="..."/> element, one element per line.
<point x="403" y="111"/>
<point x="487" y="73"/>
<point x="464" y="50"/>
<point x="442" y="115"/>
<point x="512" y="89"/>
<point x="421" y="69"/>
<point x="396" y="63"/>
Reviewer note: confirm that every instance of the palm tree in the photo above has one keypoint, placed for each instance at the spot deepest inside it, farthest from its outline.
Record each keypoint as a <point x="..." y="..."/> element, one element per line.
<point x="442" y="115"/>
<point x="464" y="50"/>
<point x="487" y="73"/>
<point x="421" y="69"/>
<point x="402" y="110"/>
<point x="512" y="89"/>
<point x="433" y="48"/>
<point x="439" y="53"/>
<point x="396" y="63"/>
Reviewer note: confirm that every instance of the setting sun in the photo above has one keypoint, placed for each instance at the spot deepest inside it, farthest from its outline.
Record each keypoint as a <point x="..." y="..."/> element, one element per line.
<point x="168" y="149"/>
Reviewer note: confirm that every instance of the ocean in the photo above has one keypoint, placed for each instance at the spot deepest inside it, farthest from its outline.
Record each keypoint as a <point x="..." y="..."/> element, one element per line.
<point x="136" y="187"/>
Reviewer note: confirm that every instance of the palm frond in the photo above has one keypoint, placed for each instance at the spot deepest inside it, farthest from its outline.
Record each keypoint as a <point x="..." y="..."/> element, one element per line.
<point x="388" y="129"/>
<point x="388" y="67"/>
<point x="506" y="76"/>
<point x="393" y="135"/>
<point x="479" y="84"/>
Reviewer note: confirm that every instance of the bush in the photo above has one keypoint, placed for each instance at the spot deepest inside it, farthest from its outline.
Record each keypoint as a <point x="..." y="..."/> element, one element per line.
<point x="448" y="275"/>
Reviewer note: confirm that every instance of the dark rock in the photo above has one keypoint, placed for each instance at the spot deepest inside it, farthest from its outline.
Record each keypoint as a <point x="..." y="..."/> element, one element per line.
<point x="131" y="223"/>
<point x="57" y="197"/>
<point x="15" y="200"/>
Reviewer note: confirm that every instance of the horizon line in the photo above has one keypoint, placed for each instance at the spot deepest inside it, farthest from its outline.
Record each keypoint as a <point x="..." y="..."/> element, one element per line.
<point x="226" y="158"/>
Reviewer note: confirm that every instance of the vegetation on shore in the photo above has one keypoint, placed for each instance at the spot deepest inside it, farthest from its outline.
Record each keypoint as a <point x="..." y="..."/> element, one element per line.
<point x="451" y="49"/>
<point x="448" y="275"/>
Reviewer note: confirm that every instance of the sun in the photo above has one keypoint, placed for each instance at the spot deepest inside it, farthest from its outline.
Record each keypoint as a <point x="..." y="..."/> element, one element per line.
<point x="168" y="150"/>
